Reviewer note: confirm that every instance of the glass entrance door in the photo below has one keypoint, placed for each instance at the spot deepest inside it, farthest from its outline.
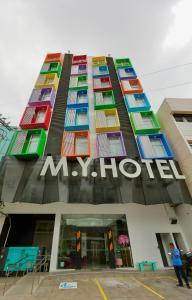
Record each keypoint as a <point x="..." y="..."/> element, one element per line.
<point x="94" y="247"/>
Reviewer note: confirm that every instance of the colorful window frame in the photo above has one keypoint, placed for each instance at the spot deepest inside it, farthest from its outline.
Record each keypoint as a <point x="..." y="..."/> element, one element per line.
<point x="146" y="148"/>
<point x="54" y="57"/>
<point x="47" y="81"/>
<point x="44" y="96"/>
<point x="79" y="59"/>
<point x="102" y="84"/>
<point x="78" y="82"/>
<point x="144" y="122"/>
<point x="74" y="120"/>
<point x="100" y="71"/>
<point x="126" y="73"/>
<point x="30" y="120"/>
<point x="101" y="103"/>
<point x="131" y="86"/>
<point x="99" y="61"/>
<point x="107" y="120"/>
<point x="20" y="143"/>
<point x="110" y="144"/>
<point x="51" y="67"/>
<point x="80" y="69"/>
<point x="137" y="102"/>
<point x="123" y="62"/>
<point x="70" y="147"/>
<point x="74" y="98"/>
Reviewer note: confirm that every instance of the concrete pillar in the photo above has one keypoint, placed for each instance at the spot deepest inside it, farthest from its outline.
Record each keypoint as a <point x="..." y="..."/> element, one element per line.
<point x="55" y="243"/>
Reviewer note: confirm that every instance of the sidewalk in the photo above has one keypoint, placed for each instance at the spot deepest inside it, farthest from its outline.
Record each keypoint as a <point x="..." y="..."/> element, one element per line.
<point x="101" y="285"/>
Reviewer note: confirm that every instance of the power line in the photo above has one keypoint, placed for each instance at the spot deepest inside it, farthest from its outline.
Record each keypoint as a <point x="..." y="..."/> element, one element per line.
<point x="170" y="86"/>
<point x="166" y="69"/>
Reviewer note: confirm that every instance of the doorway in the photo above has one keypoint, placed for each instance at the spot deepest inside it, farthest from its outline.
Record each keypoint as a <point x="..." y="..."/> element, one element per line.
<point x="163" y="240"/>
<point x="96" y="247"/>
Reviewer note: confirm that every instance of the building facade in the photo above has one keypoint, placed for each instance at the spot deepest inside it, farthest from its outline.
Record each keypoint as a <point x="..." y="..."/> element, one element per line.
<point x="90" y="178"/>
<point x="175" y="116"/>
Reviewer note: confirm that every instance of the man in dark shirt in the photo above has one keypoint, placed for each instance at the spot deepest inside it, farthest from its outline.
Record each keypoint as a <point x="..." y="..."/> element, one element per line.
<point x="178" y="265"/>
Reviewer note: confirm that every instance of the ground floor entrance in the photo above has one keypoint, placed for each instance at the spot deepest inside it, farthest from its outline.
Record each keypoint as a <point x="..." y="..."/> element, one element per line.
<point x="97" y="241"/>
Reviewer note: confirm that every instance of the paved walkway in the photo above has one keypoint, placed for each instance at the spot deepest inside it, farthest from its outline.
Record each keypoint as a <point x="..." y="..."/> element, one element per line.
<point x="106" y="285"/>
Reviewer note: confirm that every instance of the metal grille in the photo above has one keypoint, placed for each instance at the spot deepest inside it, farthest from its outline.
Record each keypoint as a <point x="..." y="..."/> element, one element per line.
<point x="100" y="119"/>
<point x="28" y="116"/>
<point x="35" y="95"/>
<point x="103" y="145"/>
<point x="70" y="116"/>
<point x="19" y="142"/>
<point x="68" y="143"/>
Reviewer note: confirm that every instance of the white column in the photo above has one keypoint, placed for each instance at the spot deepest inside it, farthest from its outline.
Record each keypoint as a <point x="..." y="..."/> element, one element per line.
<point x="55" y="243"/>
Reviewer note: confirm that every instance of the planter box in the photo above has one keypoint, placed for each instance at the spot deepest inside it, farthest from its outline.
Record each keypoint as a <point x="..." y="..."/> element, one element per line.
<point x="47" y="81"/>
<point x="51" y="67"/>
<point x="78" y="82"/>
<point x="126" y="73"/>
<point x="54" y="57"/>
<point x="100" y="71"/>
<point x="77" y="98"/>
<point x="123" y="62"/>
<point x="79" y="59"/>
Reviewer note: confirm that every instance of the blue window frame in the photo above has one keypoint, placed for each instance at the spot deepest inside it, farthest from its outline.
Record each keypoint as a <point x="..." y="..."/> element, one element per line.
<point x="76" y="119"/>
<point x="100" y="71"/>
<point x="77" y="98"/>
<point x="154" y="146"/>
<point x="137" y="102"/>
<point x="126" y="73"/>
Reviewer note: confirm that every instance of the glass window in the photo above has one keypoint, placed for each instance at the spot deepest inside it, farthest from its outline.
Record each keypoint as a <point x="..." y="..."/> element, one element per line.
<point x="115" y="146"/>
<point x="110" y="120"/>
<point x="139" y="101"/>
<point x="40" y="117"/>
<point x="45" y="95"/>
<point x="82" y="82"/>
<point x="147" y="122"/>
<point x="107" y="99"/>
<point x="158" y="148"/>
<point x="33" y="143"/>
<point x="183" y="118"/>
<point x="81" y="145"/>
<point x="49" y="80"/>
<point x="94" y="233"/>
<point x="82" y="98"/>
<point x="81" y="118"/>
<point x="190" y="144"/>
<point x="104" y="83"/>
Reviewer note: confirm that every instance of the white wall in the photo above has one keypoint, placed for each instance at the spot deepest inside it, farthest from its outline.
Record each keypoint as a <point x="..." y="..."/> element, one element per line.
<point x="184" y="213"/>
<point x="178" y="133"/>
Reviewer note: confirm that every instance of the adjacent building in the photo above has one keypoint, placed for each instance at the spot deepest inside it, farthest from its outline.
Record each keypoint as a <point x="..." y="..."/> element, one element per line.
<point x="175" y="116"/>
<point x="90" y="177"/>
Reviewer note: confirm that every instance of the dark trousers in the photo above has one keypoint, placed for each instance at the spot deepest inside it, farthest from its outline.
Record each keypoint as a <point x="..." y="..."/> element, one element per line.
<point x="181" y="273"/>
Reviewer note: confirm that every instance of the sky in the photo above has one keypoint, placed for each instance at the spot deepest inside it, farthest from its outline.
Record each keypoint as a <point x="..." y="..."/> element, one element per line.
<point x="155" y="34"/>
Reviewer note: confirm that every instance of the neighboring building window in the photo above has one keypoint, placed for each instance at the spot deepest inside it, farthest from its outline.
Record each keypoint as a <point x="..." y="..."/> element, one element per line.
<point x="158" y="147"/>
<point x="190" y="144"/>
<point x="183" y="118"/>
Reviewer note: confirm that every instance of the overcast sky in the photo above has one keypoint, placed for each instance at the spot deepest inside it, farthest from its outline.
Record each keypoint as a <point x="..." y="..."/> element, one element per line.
<point x="155" y="34"/>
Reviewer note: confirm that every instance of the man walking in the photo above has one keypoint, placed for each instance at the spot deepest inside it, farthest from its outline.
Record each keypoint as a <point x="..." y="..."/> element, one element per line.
<point x="178" y="266"/>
